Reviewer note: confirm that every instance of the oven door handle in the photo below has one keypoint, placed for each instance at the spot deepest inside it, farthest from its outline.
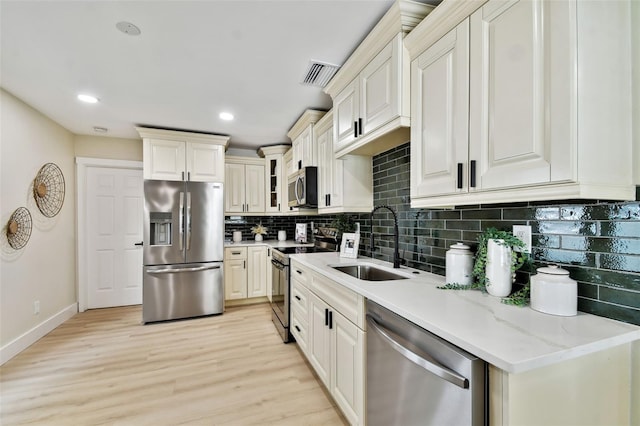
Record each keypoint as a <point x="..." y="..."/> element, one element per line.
<point x="278" y="265"/>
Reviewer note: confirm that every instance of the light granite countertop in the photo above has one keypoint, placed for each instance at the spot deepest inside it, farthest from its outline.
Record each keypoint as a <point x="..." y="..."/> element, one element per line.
<point x="514" y="339"/>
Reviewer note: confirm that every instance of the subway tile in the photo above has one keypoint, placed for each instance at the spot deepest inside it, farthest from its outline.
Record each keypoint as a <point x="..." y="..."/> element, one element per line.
<point x="564" y="256"/>
<point x="587" y="290"/>
<point x="620" y="297"/>
<point x="446" y="234"/>
<point x="482" y="214"/>
<point x="601" y="212"/>
<point x="614" y="279"/>
<point x="620" y="313"/>
<point x="545" y="241"/>
<point x="446" y="214"/>
<point x="620" y="262"/>
<point x="567" y="228"/>
<point x="502" y="225"/>
<point x="464" y="225"/>
<point x="620" y="229"/>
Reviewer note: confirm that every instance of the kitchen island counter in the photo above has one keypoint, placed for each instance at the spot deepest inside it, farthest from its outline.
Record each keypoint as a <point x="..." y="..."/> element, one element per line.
<point x="514" y="339"/>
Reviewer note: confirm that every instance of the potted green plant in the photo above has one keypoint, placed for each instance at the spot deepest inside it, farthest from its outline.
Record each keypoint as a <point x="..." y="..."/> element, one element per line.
<point x="518" y="259"/>
<point x="344" y="223"/>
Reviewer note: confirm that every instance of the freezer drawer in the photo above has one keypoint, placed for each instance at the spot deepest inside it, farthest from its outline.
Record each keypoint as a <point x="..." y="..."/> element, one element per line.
<point x="182" y="291"/>
<point x="417" y="378"/>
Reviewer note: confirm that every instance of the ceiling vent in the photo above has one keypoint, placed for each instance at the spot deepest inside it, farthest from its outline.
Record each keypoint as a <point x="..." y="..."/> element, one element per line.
<point x="319" y="73"/>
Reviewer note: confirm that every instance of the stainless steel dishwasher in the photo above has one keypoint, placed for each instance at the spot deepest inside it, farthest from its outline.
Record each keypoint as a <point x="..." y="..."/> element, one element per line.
<point x="417" y="378"/>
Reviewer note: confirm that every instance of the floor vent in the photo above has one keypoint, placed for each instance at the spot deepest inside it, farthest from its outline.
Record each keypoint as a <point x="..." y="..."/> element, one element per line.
<point x="319" y="73"/>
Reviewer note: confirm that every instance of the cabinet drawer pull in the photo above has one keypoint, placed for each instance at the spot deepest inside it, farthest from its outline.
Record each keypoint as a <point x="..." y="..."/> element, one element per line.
<point x="297" y="297"/>
<point x="472" y="173"/>
<point x="299" y="271"/>
<point x="236" y="253"/>
<point x="297" y="328"/>
<point x="459" y="175"/>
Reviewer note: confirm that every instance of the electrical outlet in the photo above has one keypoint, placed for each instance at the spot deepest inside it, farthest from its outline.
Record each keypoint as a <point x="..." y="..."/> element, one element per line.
<point x="523" y="232"/>
<point x="36" y="307"/>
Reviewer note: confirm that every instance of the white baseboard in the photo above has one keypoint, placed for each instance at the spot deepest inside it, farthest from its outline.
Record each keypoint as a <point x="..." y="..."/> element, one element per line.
<point x="22" y="342"/>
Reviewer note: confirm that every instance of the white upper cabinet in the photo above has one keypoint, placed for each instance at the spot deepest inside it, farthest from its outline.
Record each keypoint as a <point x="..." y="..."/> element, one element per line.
<point x="245" y="187"/>
<point x="301" y="135"/>
<point x="344" y="184"/>
<point x="440" y="120"/>
<point x="176" y="155"/>
<point x="371" y="92"/>
<point x="547" y="87"/>
<point x="275" y="177"/>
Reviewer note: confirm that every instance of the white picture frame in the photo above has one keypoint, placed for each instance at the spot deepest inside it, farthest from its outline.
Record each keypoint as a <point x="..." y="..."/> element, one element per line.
<point x="349" y="245"/>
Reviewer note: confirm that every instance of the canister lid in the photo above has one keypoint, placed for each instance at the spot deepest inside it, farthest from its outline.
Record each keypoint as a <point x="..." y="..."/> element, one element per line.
<point x="459" y="246"/>
<point x="553" y="270"/>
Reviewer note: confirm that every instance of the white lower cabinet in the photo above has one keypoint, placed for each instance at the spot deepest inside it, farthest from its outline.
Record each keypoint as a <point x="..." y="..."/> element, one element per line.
<point x="245" y="272"/>
<point x="332" y="340"/>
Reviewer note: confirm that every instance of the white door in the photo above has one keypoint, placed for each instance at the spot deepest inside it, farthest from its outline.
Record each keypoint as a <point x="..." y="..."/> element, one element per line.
<point x="346" y="111"/>
<point x="114" y="202"/>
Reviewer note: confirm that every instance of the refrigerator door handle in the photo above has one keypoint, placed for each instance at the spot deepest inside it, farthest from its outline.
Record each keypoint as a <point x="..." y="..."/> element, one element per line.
<point x="173" y="271"/>
<point x="188" y="224"/>
<point x="181" y="220"/>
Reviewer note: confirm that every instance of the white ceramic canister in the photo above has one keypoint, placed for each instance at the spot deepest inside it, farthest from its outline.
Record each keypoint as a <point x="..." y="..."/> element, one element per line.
<point x="554" y="292"/>
<point x="459" y="264"/>
<point x="237" y="236"/>
<point x="498" y="270"/>
<point x="282" y="235"/>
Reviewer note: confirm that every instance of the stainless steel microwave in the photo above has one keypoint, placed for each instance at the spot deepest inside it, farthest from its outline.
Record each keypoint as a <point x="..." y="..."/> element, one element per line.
<point x="303" y="188"/>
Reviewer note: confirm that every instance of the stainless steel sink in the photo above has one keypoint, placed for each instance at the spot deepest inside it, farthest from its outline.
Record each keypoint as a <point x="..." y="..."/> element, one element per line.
<point x="369" y="273"/>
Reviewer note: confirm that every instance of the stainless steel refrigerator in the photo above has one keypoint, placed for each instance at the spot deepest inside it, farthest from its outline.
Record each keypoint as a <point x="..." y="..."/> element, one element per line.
<point x="183" y="250"/>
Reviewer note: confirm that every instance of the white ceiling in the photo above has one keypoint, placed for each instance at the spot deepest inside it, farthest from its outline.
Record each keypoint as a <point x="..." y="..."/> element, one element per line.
<point x="193" y="60"/>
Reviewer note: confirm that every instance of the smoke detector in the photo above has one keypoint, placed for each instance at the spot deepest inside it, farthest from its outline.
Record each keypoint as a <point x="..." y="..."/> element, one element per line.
<point x="319" y="73"/>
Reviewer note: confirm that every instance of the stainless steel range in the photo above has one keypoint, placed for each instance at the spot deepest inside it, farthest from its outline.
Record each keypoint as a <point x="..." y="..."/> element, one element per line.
<point x="280" y="288"/>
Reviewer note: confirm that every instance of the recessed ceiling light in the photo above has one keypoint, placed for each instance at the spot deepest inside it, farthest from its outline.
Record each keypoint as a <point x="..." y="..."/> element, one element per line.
<point x="90" y="99"/>
<point x="226" y="116"/>
<point x="128" y="28"/>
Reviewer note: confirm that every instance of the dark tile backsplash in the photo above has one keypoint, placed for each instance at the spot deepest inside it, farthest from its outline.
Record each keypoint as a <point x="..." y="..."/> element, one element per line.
<point x="597" y="241"/>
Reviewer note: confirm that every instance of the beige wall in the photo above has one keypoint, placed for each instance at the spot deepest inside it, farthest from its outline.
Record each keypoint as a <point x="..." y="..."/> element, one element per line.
<point x="44" y="270"/>
<point x="108" y="147"/>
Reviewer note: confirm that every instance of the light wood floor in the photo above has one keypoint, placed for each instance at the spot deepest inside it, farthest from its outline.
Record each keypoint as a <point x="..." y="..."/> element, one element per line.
<point x="104" y="367"/>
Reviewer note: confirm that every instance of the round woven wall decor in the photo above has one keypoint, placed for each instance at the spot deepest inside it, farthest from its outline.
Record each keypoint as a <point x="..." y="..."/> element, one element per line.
<point x="48" y="189"/>
<point x="19" y="228"/>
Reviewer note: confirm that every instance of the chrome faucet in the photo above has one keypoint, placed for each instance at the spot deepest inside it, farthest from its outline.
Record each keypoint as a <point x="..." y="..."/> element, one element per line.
<point x="396" y="251"/>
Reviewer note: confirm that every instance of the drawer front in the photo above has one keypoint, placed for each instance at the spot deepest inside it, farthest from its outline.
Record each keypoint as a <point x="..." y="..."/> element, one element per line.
<point x="349" y="303"/>
<point x="299" y="329"/>
<point x="235" y="253"/>
<point x="300" y="273"/>
<point x="299" y="297"/>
